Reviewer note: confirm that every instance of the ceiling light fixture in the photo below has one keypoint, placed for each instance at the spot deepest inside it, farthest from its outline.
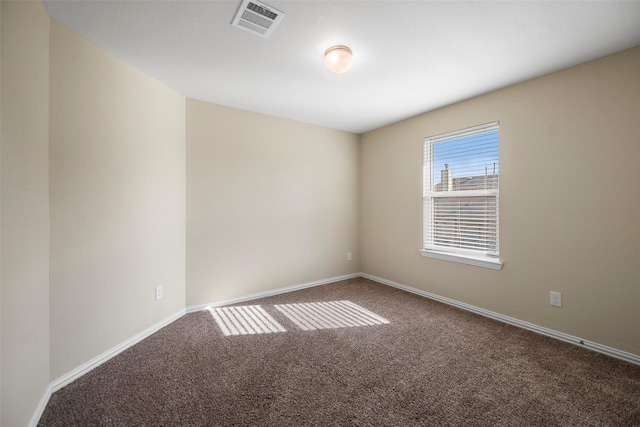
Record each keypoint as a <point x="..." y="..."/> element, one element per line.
<point x="338" y="59"/>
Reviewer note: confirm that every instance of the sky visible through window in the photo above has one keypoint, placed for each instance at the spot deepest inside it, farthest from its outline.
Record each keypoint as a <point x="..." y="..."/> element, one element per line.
<point x="467" y="156"/>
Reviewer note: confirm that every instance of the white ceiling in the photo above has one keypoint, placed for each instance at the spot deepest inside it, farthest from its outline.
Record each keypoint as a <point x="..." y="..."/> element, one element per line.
<point x="409" y="56"/>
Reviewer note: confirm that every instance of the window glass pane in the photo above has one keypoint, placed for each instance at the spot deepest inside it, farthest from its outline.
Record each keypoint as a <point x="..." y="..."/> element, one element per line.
<point x="462" y="172"/>
<point x="468" y="162"/>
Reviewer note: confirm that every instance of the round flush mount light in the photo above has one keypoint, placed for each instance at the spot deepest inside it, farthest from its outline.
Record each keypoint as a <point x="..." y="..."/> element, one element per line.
<point x="338" y="59"/>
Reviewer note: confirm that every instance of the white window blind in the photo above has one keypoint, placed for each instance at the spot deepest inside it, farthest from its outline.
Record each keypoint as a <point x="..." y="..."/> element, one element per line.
<point x="461" y="192"/>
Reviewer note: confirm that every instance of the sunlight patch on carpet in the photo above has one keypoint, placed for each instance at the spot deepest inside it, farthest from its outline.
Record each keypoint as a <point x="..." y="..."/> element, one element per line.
<point x="329" y="315"/>
<point x="245" y="320"/>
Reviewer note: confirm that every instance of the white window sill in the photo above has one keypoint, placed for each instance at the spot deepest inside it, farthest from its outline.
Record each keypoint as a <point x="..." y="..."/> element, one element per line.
<point x="478" y="261"/>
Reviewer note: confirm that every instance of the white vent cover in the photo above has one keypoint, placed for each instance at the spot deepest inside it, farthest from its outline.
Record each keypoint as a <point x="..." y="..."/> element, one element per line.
<point x="257" y="18"/>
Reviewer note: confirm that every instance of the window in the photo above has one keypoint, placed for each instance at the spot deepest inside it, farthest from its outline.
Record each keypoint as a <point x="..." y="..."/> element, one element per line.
<point x="461" y="177"/>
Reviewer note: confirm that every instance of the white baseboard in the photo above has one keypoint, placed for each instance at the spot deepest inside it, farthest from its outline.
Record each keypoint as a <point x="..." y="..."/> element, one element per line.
<point x="97" y="361"/>
<point x="73" y="375"/>
<point x="609" y="351"/>
<point x="273" y="292"/>
<point x="33" y="422"/>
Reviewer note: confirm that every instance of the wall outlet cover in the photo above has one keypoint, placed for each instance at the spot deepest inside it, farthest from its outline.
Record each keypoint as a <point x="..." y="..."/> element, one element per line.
<point x="555" y="299"/>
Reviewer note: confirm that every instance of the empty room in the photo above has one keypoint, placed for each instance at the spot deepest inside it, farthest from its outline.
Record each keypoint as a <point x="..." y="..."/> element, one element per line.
<point x="277" y="213"/>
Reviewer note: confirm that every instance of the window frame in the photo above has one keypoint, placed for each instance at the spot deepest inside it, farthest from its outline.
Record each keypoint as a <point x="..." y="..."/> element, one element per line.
<point x="461" y="255"/>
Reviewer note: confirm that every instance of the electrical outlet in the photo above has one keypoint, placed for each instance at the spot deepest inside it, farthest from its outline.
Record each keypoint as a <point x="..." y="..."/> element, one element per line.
<point x="348" y="256"/>
<point x="555" y="299"/>
<point x="158" y="292"/>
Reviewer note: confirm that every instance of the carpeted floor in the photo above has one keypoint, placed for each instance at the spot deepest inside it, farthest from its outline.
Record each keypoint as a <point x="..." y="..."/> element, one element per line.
<point x="430" y="365"/>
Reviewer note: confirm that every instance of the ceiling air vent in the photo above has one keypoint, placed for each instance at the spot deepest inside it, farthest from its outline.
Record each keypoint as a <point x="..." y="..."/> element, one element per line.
<point x="257" y="17"/>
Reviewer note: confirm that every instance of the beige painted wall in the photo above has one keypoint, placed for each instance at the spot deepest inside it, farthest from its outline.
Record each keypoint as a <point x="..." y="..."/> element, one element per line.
<point x="117" y="201"/>
<point x="569" y="206"/>
<point x="270" y="203"/>
<point x="25" y="209"/>
<point x="98" y="161"/>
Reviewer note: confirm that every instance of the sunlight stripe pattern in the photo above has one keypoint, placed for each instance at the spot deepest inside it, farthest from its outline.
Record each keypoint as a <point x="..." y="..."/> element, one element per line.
<point x="245" y="320"/>
<point x="329" y="315"/>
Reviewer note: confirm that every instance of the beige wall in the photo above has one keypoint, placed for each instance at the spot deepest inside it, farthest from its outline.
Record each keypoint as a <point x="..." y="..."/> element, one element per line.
<point x="117" y="201"/>
<point x="25" y="209"/>
<point x="270" y="203"/>
<point x="104" y="172"/>
<point x="569" y="206"/>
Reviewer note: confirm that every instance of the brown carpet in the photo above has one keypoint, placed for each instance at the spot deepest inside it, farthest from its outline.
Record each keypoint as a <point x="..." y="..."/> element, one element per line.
<point x="432" y="365"/>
